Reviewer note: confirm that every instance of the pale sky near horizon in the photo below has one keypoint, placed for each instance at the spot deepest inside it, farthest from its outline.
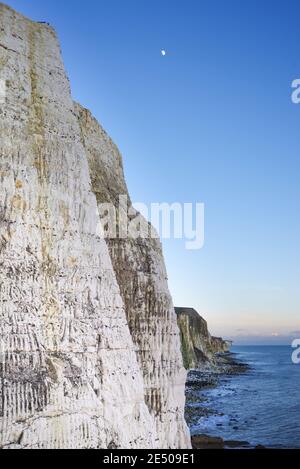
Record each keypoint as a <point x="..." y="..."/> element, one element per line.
<point x="210" y="121"/>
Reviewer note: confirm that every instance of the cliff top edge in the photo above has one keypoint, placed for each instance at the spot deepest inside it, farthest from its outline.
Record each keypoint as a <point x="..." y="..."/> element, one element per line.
<point x="21" y="16"/>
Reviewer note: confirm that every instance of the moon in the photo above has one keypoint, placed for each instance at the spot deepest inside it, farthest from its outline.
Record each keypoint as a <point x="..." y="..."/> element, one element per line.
<point x="163" y="52"/>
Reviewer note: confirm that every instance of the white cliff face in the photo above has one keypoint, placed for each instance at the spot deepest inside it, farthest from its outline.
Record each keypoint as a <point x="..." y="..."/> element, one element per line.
<point x="142" y="277"/>
<point x="70" y="376"/>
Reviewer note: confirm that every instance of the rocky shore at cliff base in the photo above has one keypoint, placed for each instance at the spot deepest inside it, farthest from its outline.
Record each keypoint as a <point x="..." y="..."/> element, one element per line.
<point x="225" y="365"/>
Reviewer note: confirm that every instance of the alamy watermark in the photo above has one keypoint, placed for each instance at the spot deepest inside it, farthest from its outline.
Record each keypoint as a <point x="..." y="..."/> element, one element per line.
<point x="295" y="96"/>
<point x="183" y="221"/>
<point x="296" y="353"/>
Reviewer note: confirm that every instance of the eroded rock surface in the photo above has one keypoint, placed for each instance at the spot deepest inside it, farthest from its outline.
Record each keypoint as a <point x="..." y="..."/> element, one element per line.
<point x="141" y="274"/>
<point x="90" y="351"/>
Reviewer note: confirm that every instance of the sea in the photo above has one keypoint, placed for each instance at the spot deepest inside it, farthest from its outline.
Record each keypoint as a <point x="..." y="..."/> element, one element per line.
<point x="261" y="406"/>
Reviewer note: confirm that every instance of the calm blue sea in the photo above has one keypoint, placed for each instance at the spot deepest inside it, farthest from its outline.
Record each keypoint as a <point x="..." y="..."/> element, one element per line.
<point x="261" y="406"/>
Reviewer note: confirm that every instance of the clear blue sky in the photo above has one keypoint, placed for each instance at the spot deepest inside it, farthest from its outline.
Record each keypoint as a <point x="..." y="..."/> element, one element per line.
<point x="211" y="122"/>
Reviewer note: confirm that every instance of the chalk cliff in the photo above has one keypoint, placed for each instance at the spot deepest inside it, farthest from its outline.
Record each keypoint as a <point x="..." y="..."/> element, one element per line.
<point x="90" y="350"/>
<point x="197" y="345"/>
<point x="141" y="275"/>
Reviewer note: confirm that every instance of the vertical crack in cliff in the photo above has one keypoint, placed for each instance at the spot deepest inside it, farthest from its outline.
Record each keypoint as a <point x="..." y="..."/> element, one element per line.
<point x="50" y="302"/>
